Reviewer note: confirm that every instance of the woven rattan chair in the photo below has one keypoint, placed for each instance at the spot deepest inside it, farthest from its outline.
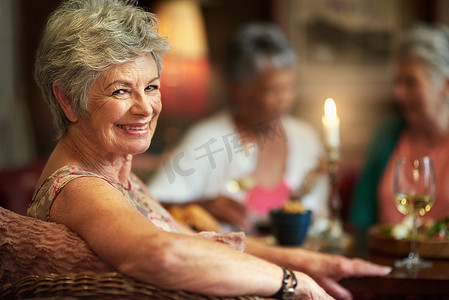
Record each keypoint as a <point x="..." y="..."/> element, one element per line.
<point x="48" y="261"/>
<point x="92" y="286"/>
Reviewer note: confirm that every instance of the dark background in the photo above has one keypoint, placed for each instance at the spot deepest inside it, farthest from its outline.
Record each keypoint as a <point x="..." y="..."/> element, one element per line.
<point x="221" y="18"/>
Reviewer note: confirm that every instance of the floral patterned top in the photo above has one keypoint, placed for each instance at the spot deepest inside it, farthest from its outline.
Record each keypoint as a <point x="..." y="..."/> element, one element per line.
<point x="136" y="195"/>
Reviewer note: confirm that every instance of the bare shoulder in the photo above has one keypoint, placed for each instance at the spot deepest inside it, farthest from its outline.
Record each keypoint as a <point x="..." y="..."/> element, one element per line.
<point x="103" y="217"/>
<point x="86" y="199"/>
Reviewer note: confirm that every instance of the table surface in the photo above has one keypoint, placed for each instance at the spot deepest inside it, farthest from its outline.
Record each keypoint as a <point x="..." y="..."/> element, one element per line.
<point x="401" y="283"/>
<point x="433" y="281"/>
<point x="428" y="283"/>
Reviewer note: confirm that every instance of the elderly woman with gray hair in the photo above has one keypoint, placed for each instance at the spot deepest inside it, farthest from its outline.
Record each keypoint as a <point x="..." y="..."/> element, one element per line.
<point x="421" y="90"/>
<point x="99" y="65"/>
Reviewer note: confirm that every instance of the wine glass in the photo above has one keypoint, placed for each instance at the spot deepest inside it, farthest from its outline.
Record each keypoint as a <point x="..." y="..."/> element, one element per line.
<point x="414" y="191"/>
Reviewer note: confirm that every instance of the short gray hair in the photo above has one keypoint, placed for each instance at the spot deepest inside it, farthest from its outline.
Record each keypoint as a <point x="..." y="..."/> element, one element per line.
<point x="254" y="47"/>
<point x="429" y="44"/>
<point x="83" y="39"/>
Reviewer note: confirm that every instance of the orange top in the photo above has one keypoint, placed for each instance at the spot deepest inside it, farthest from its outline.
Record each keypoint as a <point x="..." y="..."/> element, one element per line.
<point x="387" y="212"/>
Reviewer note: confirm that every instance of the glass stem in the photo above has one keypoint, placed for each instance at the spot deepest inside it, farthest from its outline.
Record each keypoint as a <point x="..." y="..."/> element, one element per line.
<point x="414" y="256"/>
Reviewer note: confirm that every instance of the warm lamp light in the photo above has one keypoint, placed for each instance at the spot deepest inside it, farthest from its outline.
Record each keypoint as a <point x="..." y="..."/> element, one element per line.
<point x="182" y="23"/>
<point x="185" y="75"/>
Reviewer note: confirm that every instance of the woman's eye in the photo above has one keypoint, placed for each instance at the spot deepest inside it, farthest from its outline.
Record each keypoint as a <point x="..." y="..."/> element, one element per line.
<point x="118" y="92"/>
<point x="152" y="87"/>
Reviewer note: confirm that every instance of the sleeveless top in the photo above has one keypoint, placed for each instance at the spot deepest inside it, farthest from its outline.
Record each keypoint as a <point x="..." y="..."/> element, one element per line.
<point x="136" y="195"/>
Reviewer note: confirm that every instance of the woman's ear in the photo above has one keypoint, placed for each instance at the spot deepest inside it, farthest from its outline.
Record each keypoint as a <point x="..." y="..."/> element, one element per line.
<point x="65" y="102"/>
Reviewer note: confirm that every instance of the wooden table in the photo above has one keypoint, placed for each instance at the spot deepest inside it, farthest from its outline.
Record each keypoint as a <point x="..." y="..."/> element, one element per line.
<point x="401" y="283"/>
<point x="429" y="283"/>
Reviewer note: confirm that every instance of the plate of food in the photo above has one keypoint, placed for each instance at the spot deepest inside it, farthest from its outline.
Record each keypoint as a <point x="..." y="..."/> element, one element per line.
<point x="394" y="239"/>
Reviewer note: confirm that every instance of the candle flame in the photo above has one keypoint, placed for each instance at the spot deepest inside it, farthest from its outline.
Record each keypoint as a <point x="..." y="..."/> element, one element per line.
<point x="330" y="110"/>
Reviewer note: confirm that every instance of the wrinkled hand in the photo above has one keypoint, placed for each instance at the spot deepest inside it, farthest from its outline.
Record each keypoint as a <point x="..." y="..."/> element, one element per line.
<point x="307" y="288"/>
<point x="229" y="210"/>
<point x="327" y="270"/>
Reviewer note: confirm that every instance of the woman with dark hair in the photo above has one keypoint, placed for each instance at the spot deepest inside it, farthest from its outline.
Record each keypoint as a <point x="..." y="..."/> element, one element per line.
<point x="261" y="154"/>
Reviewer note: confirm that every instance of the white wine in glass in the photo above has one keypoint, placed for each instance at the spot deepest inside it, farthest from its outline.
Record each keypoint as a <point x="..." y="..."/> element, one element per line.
<point x="414" y="190"/>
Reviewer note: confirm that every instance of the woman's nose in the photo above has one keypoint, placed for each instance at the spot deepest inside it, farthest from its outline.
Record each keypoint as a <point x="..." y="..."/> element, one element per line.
<point x="144" y="105"/>
<point x="286" y="97"/>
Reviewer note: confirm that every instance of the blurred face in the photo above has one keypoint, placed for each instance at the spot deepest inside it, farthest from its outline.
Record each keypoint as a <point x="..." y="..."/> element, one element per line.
<point x="420" y="98"/>
<point x="123" y="105"/>
<point x="271" y="94"/>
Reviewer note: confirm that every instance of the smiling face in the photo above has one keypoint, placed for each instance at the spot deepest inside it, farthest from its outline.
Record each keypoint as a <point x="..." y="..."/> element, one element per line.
<point x="123" y="107"/>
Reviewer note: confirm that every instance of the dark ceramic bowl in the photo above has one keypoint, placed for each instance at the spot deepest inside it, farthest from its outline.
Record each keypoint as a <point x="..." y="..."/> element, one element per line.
<point x="289" y="229"/>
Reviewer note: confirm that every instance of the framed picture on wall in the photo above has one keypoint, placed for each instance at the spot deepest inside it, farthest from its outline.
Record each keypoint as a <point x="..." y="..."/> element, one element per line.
<point x="334" y="34"/>
<point x="345" y="52"/>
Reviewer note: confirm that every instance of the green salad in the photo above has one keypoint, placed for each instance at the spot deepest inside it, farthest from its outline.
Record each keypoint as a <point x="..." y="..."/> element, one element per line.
<point x="440" y="229"/>
<point x="427" y="229"/>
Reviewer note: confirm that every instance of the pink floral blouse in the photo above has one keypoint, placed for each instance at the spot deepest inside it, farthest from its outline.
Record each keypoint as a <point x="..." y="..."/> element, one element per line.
<point x="136" y="195"/>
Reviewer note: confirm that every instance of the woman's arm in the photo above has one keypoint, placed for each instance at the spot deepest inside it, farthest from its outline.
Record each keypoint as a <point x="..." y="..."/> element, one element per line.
<point x="228" y="210"/>
<point x="117" y="233"/>
<point x="325" y="269"/>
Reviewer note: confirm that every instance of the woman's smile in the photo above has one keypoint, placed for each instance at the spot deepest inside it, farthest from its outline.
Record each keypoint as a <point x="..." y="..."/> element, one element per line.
<point x="135" y="128"/>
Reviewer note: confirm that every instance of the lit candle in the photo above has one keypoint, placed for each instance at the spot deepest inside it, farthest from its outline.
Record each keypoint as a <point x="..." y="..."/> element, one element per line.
<point x="331" y="124"/>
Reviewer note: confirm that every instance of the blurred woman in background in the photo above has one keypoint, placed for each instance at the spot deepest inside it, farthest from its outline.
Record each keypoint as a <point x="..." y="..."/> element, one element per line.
<point x="252" y="157"/>
<point x="421" y="89"/>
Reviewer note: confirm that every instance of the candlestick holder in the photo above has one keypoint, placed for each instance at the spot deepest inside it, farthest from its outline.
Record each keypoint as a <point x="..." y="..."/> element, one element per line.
<point x="334" y="237"/>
